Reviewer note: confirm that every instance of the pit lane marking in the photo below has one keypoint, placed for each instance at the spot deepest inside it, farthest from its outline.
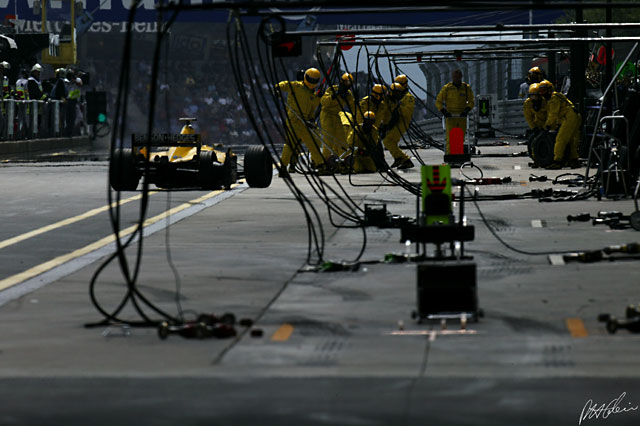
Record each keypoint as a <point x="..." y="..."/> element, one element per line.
<point x="24" y="282"/>
<point x="19" y="238"/>
<point x="576" y="327"/>
<point x="283" y="333"/>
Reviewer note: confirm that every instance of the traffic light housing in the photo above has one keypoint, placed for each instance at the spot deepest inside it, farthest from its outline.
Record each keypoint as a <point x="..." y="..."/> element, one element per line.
<point x="96" y="107"/>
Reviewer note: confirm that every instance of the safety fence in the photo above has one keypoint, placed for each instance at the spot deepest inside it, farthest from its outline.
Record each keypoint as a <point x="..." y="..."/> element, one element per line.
<point x="506" y="118"/>
<point x="34" y="119"/>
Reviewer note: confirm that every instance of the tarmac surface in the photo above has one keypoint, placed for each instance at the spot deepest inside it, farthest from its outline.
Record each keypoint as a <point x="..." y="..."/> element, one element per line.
<point x="337" y="348"/>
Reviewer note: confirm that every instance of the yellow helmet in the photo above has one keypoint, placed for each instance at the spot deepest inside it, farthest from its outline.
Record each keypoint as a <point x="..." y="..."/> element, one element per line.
<point x="397" y="91"/>
<point x="346" y="79"/>
<point x="369" y="115"/>
<point x="311" y="78"/>
<point x="396" y="87"/>
<point x="378" y="91"/>
<point x="535" y="75"/>
<point x="534" y="89"/>
<point x="545" y="86"/>
<point x="402" y="80"/>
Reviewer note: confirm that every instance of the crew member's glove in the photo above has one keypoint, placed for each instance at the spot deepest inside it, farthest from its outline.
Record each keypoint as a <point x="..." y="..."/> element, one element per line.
<point x="445" y="113"/>
<point x="465" y="112"/>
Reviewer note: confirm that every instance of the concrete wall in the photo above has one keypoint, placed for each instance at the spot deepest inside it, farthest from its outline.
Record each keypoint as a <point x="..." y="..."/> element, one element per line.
<point x="26" y="147"/>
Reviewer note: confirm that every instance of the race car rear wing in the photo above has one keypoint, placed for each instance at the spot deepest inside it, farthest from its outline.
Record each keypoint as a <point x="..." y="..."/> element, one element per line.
<point x="163" y="140"/>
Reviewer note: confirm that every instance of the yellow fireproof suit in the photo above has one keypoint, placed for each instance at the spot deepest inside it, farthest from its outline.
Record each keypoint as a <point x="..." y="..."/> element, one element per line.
<point x="561" y="115"/>
<point x="535" y="119"/>
<point x="362" y="160"/>
<point x="455" y="100"/>
<point x="380" y="109"/>
<point x="404" y="109"/>
<point x="302" y="103"/>
<point x="334" y="135"/>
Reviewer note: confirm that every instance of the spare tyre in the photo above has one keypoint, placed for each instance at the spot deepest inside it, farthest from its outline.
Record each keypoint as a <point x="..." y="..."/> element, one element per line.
<point x="258" y="167"/>
<point x="542" y="149"/>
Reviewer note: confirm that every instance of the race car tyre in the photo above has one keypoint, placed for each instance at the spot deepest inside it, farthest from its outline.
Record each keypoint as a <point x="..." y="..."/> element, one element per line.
<point x="123" y="175"/>
<point x="206" y="172"/>
<point x="542" y="149"/>
<point x="258" y="167"/>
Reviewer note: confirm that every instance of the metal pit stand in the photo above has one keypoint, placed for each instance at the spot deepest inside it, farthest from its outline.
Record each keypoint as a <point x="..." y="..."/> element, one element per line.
<point x="446" y="279"/>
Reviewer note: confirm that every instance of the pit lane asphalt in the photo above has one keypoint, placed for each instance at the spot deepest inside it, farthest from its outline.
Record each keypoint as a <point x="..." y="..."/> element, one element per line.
<point x="341" y="364"/>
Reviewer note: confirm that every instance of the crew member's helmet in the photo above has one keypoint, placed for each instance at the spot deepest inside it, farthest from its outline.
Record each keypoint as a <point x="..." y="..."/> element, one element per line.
<point x="402" y="80"/>
<point x="397" y="90"/>
<point x="5" y="65"/>
<point x="545" y="88"/>
<point x="370" y="116"/>
<point x="36" y="67"/>
<point x="534" y="89"/>
<point x="311" y="78"/>
<point x="368" y="122"/>
<point x="346" y="79"/>
<point x="377" y="92"/>
<point x="535" y="75"/>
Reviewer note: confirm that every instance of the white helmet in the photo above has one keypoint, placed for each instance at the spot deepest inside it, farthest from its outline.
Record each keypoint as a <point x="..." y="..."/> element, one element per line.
<point x="5" y="65"/>
<point x="36" y="67"/>
<point x="61" y="72"/>
<point x="79" y="81"/>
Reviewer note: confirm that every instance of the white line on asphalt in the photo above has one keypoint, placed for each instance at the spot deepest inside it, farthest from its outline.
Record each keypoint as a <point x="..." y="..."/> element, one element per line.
<point x="537" y="223"/>
<point x="19" y="238"/>
<point x="556" y="259"/>
<point x="32" y="279"/>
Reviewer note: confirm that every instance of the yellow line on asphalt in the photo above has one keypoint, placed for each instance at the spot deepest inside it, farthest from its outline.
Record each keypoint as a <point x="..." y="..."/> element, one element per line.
<point x="283" y="333"/>
<point x="65" y="222"/>
<point x="576" y="327"/>
<point x="46" y="266"/>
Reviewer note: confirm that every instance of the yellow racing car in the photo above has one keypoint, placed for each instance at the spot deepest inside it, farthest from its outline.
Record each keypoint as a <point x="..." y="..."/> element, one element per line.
<point x="182" y="161"/>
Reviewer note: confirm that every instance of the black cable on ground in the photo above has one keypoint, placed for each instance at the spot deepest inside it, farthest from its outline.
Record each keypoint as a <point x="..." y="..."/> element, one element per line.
<point x="133" y="294"/>
<point x="233" y="43"/>
<point x="507" y="245"/>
